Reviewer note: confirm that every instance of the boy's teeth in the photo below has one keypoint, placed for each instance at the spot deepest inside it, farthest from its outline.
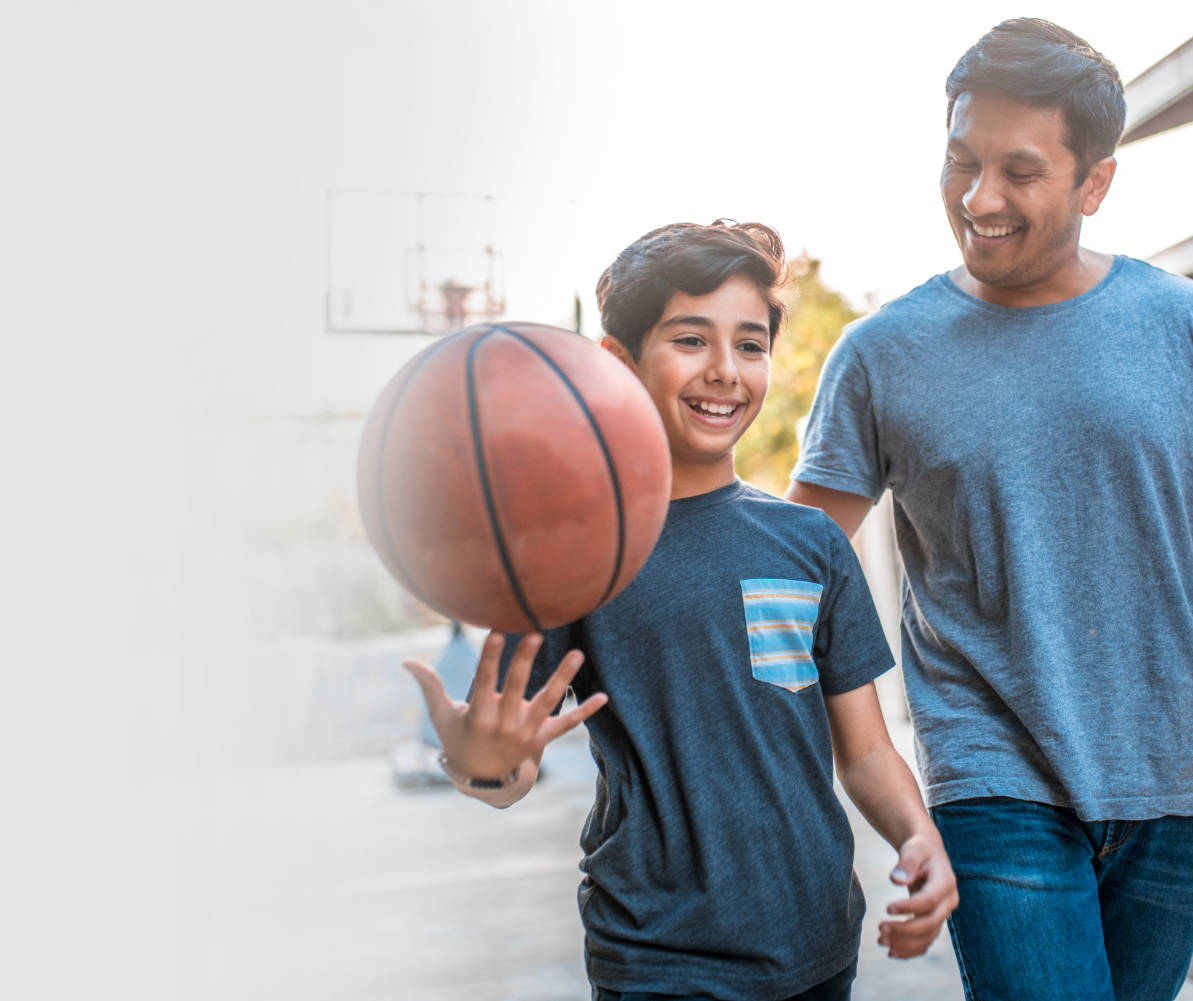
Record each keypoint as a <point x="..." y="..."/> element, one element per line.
<point x="719" y="409"/>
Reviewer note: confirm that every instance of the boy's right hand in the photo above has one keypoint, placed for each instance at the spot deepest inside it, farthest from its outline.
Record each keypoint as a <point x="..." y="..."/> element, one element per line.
<point x="495" y="732"/>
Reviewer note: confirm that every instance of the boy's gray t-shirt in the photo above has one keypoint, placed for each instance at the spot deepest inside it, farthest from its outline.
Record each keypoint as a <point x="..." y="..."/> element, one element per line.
<point x="1041" y="465"/>
<point x="718" y="859"/>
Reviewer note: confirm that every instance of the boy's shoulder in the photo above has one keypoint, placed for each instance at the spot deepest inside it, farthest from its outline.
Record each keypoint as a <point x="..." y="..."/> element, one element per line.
<point x="811" y="521"/>
<point x="740" y="514"/>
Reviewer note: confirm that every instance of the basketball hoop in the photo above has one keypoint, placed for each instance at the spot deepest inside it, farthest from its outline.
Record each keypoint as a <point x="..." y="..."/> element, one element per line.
<point x="441" y="299"/>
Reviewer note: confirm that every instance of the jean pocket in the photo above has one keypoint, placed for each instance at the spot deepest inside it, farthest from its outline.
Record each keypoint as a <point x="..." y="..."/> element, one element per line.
<point x="780" y="621"/>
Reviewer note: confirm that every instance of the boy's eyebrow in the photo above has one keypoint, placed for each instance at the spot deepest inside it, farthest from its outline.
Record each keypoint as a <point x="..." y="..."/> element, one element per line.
<point x="693" y="320"/>
<point x="696" y="320"/>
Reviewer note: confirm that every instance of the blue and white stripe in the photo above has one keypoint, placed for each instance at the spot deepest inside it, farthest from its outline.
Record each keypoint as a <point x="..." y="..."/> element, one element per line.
<point x="780" y="619"/>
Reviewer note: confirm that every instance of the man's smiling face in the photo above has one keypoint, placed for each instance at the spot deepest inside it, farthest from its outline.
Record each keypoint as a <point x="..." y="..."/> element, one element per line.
<point x="1012" y="195"/>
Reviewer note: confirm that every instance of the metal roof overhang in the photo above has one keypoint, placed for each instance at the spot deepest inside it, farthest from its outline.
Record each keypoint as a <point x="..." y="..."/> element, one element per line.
<point x="1177" y="258"/>
<point x="1161" y="97"/>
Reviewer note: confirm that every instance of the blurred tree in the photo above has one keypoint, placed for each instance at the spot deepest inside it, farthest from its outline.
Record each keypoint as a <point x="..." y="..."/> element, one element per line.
<point x="816" y="317"/>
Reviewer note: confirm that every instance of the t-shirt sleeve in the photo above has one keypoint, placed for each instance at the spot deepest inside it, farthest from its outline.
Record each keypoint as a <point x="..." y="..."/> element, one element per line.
<point x="840" y="445"/>
<point x="849" y="646"/>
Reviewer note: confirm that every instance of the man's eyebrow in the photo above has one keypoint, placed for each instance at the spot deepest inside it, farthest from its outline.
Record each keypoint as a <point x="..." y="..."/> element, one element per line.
<point x="1027" y="157"/>
<point x="1024" y="156"/>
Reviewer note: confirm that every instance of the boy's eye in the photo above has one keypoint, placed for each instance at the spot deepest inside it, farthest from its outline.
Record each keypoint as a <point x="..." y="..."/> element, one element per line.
<point x="752" y="347"/>
<point x="689" y="340"/>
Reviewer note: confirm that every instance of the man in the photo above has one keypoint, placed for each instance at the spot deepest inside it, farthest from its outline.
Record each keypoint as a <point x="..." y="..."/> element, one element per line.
<point x="1032" y="414"/>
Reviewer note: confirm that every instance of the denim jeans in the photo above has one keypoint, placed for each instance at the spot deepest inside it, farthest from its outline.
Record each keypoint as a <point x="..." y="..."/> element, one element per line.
<point x="1057" y="909"/>
<point x="836" y="988"/>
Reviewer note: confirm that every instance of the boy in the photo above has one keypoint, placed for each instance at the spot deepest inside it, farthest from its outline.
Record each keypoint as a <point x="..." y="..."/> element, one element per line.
<point x="735" y="667"/>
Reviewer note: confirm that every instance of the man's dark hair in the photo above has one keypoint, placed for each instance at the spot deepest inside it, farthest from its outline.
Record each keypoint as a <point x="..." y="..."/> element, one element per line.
<point x="1042" y="65"/>
<point x="688" y="257"/>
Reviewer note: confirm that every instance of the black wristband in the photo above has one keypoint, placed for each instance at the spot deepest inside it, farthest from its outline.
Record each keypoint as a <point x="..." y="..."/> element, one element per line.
<point x="470" y="781"/>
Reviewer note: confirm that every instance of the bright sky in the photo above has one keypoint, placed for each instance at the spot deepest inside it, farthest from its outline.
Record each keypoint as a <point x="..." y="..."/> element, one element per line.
<point x="825" y="120"/>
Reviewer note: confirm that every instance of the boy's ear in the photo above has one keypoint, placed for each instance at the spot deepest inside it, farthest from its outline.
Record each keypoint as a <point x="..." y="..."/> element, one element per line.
<point x="618" y="350"/>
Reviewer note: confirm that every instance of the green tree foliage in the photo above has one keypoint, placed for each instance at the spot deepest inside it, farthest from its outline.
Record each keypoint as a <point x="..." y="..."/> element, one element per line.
<point x="816" y="317"/>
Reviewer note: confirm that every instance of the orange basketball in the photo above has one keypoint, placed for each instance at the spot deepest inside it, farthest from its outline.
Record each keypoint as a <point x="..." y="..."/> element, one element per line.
<point x="514" y="476"/>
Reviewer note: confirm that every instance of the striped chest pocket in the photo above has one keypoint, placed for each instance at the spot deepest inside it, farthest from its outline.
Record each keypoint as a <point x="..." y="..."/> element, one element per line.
<point x="780" y="617"/>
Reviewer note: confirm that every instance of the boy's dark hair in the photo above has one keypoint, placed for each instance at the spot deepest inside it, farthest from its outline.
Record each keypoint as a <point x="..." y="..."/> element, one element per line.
<point x="688" y="257"/>
<point x="1042" y="65"/>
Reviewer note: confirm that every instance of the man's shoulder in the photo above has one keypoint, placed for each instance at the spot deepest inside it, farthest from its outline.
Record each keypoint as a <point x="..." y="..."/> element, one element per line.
<point x="907" y="312"/>
<point x="1156" y="281"/>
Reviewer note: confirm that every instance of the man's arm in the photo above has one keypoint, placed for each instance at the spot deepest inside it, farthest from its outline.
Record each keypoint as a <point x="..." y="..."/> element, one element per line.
<point x="846" y="509"/>
<point x="882" y="787"/>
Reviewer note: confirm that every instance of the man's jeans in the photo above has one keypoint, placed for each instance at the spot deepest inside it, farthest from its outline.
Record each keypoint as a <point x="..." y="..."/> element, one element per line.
<point x="1056" y="909"/>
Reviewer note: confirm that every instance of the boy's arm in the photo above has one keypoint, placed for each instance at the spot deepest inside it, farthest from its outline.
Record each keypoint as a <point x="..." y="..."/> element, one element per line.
<point x="882" y="787"/>
<point x="507" y="793"/>
<point x="493" y="744"/>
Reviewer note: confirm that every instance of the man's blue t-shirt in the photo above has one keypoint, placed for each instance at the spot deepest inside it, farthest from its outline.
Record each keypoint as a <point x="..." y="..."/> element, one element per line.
<point x="1041" y="465"/>
<point x="717" y="857"/>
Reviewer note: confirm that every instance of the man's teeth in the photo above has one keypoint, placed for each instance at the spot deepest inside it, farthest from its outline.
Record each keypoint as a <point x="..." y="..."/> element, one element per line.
<point x="719" y="409"/>
<point x="993" y="230"/>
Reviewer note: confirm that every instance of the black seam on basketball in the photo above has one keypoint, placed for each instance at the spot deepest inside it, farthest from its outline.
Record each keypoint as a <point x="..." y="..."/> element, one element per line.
<point x="387" y="539"/>
<point x="596" y="430"/>
<point x="486" y="487"/>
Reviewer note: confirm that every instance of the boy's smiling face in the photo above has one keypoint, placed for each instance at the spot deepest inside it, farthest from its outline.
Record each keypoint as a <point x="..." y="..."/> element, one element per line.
<point x="706" y="365"/>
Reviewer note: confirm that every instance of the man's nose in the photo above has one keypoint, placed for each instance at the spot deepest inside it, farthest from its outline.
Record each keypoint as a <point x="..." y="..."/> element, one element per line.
<point x="984" y="196"/>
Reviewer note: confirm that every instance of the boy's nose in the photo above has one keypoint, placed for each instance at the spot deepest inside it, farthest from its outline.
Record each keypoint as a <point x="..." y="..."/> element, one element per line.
<point x="722" y="368"/>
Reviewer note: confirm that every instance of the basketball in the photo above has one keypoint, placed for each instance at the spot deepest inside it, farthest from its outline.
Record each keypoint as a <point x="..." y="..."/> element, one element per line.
<point x="514" y="476"/>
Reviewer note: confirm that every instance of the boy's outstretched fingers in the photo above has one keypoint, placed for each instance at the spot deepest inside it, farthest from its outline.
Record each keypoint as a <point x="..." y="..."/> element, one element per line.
<point x="434" y="694"/>
<point x="494" y="731"/>
<point x="924" y="868"/>
<point x="553" y="693"/>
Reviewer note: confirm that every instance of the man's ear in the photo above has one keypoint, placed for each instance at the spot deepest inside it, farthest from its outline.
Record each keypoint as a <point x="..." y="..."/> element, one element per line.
<point x="1096" y="184"/>
<point x="618" y="350"/>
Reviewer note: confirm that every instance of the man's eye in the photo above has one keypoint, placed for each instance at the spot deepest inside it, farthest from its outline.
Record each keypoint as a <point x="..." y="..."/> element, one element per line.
<point x="1019" y="178"/>
<point x="960" y="164"/>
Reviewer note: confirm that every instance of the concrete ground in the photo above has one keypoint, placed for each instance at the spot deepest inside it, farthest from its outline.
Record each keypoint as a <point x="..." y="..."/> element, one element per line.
<point x="348" y="889"/>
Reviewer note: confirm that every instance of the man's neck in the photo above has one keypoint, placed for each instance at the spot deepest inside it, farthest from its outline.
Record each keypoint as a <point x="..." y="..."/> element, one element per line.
<point x="1086" y="270"/>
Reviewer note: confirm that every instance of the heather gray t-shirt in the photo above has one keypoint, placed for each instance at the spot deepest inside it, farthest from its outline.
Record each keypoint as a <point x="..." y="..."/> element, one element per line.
<point x="718" y="860"/>
<point x="1041" y="465"/>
